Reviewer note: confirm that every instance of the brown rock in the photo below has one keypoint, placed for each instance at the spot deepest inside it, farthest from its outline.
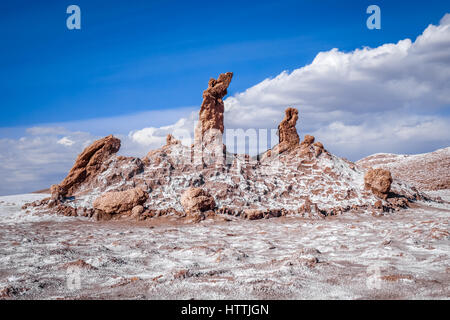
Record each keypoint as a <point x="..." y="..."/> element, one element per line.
<point x="308" y="140"/>
<point x="56" y="192"/>
<point x="227" y="211"/>
<point x="399" y="203"/>
<point x="137" y="211"/>
<point x="318" y="144"/>
<point x="11" y="292"/>
<point x="253" y="214"/>
<point x="306" y="207"/>
<point x="182" y="274"/>
<point x="378" y="205"/>
<point x="287" y="133"/>
<point x="120" y="201"/>
<point x="306" y="147"/>
<point x="170" y="140"/>
<point x="87" y="166"/>
<point x="101" y="216"/>
<point x="318" y="148"/>
<point x="197" y="200"/>
<point x="427" y="171"/>
<point x="378" y="181"/>
<point x="397" y="277"/>
<point x="241" y="183"/>
<point x="211" y="111"/>
<point x="66" y="211"/>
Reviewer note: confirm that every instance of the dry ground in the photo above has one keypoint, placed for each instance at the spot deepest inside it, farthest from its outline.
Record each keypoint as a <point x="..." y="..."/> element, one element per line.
<point x="403" y="255"/>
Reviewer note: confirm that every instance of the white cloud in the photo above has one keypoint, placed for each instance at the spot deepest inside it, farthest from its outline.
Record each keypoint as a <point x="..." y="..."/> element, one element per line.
<point x="407" y="75"/>
<point x="361" y="102"/>
<point x="65" y="142"/>
<point x="35" y="161"/>
<point x="152" y="137"/>
<point x="388" y="132"/>
<point x="36" y="131"/>
<point x="157" y="136"/>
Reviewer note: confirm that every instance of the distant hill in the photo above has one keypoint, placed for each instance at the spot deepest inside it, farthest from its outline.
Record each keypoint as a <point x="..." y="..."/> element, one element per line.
<point x="427" y="171"/>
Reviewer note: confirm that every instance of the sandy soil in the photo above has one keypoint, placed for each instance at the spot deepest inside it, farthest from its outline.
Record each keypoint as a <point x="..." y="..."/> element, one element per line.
<point x="403" y="255"/>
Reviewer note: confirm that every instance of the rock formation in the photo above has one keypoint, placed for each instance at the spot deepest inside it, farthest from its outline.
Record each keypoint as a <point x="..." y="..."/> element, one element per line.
<point x="196" y="201"/>
<point x="307" y="141"/>
<point x="289" y="140"/>
<point x="287" y="133"/>
<point x="212" y="108"/>
<point x="86" y="167"/>
<point x="120" y="201"/>
<point x="170" y="140"/>
<point x="378" y="181"/>
<point x="294" y="177"/>
<point x="318" y="148"/>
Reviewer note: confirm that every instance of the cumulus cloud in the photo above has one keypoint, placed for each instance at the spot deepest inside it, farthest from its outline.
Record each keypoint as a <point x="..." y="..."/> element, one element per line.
<point x="386" y="99"/>
<point x="65" y="141"/>
<point x="35" y="158"/>
<point x="39" y="158"/>
<point x="406" y="76"/>
<point x="389" y="98"/>
<point x="153" y="136"/>
<point x="386" y="132"/>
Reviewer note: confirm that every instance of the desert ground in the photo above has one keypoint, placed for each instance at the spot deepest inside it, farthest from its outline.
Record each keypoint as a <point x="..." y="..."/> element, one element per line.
<point x="400" y="255"/>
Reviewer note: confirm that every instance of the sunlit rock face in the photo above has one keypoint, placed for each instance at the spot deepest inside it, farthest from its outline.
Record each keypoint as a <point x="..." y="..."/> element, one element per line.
<point x="87" y="166"/>
<point x="212" y="109"/>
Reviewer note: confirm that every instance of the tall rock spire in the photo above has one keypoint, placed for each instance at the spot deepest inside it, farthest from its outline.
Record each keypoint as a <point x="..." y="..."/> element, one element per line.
<point x="212" y="109"/>
<point x="287" y="133"/>
<point x="286" y="130"/>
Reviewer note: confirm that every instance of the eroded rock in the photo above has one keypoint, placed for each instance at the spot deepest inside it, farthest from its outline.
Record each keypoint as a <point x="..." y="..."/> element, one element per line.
<point x="87" y="166"/>
<point x="378" y="181"/>
<point x="170" y="140"/>
<point x="294" y="178"/>
<point x="196" y="201"/>
<point x="117" y="202"/>
<point x="212" y="109"/>
<point x="287" y="133"/>
<point x="308" y="140"/>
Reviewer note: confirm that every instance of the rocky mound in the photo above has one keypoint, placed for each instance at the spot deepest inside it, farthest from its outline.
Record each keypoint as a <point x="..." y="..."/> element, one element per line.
<point x="117" y="202"/>
<point x="428" y="171"/>
<point x="196" y="201"/>
<point x="293" y="178"/>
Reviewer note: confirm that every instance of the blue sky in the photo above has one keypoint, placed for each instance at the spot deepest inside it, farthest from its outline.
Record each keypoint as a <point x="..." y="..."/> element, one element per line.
<point x="133" y="56"/>
<point x="137" y="69"/>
